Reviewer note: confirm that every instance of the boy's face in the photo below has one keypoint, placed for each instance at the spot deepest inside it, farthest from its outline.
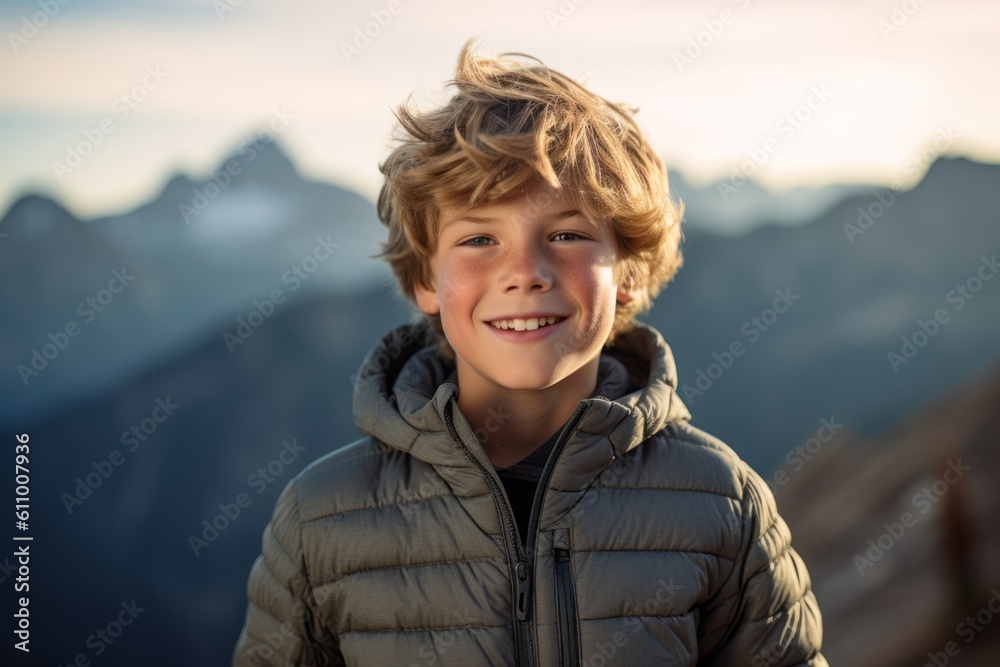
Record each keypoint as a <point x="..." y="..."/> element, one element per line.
<point x="536" y="254"/>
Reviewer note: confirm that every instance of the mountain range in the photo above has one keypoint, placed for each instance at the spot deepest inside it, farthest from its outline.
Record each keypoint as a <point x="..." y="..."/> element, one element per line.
<point x="776" y="333"/>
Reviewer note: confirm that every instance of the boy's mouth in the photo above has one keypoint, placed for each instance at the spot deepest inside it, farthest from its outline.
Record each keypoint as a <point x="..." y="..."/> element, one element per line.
<point x="526" y="323"/>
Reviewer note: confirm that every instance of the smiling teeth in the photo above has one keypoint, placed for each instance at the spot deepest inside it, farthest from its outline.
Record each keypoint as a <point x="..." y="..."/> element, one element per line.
<point x="529" y="324"/>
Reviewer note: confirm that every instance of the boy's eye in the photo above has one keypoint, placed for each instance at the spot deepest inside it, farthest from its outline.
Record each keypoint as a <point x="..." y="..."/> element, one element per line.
<point x="475" y="238"/>
<point x="472" y="241"/>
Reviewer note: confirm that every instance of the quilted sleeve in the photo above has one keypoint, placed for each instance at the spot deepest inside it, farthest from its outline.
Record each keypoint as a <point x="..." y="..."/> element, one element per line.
<point x="770" y="617"/>
<point x="280" y="628"/>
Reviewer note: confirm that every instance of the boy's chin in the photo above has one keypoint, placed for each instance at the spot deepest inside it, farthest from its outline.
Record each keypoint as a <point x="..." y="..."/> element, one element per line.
<point x="526" y="382"/>
<point x="534" y="378"/>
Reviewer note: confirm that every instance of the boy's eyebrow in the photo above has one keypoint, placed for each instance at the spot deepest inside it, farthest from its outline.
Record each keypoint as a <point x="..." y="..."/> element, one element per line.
<point x="560" y="215"/>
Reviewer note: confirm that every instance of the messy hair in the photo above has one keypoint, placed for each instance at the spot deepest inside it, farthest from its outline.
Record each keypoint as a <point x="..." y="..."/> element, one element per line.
<point x="507" y="128"/>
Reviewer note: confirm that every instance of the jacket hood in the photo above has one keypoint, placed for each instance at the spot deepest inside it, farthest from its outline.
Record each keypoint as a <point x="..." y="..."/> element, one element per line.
<point x="404" y="388"/>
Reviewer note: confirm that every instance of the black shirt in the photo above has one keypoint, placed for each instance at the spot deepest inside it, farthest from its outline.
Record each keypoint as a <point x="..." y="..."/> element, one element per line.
<point x="521" y="479"/>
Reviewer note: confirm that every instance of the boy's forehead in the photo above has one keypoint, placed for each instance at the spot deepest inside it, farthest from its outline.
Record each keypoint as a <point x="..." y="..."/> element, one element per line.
<point x="528" y="203"/>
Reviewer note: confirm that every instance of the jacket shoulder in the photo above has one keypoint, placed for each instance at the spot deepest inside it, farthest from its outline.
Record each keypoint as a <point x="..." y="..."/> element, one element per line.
<point x="766" y="606"/>
<point x="699" y="461"/>
<point x="707" y="463"/>
<point x="346" y="479"/>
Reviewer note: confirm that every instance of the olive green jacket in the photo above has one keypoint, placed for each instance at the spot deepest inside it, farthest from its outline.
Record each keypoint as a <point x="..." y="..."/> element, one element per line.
<point x="650" y="541"/>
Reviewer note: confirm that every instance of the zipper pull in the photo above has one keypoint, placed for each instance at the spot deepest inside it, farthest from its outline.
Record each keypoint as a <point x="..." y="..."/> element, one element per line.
<point x="523" y="573"/>
<point x="562" y="555"/>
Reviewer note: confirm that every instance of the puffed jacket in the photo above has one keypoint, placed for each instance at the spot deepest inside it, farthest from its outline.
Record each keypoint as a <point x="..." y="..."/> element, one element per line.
<point x="650" y="541"/>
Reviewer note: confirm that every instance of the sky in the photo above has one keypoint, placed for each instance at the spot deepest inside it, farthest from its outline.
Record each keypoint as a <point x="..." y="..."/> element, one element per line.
<point x="101" y="102"/>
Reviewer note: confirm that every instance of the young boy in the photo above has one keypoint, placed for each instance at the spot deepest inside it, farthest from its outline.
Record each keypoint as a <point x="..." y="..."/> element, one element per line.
<point x="529" y="490"/>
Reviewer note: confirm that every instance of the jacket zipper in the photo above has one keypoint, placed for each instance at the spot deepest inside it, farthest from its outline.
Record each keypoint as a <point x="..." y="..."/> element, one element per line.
<point x="521" y="574"/>
<point x="536" y="509"/>
<point x="566" y="607"/>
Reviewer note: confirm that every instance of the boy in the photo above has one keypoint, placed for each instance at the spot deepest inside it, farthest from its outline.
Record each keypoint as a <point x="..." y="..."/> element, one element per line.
<point x="529" y="490"/>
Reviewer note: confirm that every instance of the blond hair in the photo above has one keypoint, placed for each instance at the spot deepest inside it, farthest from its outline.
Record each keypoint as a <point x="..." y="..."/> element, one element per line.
<point x="507" y="128"/>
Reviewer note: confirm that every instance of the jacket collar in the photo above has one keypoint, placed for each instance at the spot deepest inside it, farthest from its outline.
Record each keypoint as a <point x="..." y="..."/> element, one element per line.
<point x="404" y="388"/>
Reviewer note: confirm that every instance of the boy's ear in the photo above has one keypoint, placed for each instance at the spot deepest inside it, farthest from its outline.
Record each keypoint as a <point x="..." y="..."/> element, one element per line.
<point x="626" y="291"/>
<point x="427" y="299"/>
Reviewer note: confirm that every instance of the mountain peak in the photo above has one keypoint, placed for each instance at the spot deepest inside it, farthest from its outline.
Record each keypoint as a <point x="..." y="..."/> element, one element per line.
<point x="955" y="166"/>
<point x="178" y="187"/>
<point x="34" y="214"/>
<point x="261" y="157"/>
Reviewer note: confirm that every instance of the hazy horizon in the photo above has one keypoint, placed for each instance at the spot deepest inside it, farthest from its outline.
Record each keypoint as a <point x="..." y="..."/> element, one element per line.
<point x="860" y="93"/>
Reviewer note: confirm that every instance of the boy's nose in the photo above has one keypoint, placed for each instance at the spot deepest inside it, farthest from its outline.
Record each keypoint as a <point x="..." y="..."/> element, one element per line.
<point x="527" y="269"/>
